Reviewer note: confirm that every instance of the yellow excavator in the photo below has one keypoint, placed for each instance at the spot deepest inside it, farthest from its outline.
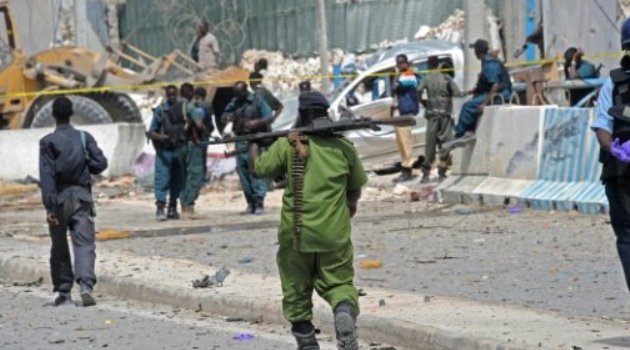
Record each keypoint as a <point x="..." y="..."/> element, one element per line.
<point x="95" y="82"/>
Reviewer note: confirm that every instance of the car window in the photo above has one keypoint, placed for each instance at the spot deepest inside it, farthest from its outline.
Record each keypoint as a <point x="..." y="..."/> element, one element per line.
<point x="446" y="64"/>
<point x="371" y="88"/>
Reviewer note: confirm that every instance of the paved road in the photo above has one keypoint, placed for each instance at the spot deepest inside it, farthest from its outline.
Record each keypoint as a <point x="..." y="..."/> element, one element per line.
<point x="561" y="262"/>
<point x="27" y="321"/>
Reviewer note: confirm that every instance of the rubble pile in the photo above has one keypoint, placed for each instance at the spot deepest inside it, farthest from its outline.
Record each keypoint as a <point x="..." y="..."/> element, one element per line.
<point x="284" y="74"/>
<point x="451" y="30"/>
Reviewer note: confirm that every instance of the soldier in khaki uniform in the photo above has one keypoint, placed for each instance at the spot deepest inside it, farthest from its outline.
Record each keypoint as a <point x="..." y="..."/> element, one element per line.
<point x="325" y="177"/>
<point x="440" y="89"/>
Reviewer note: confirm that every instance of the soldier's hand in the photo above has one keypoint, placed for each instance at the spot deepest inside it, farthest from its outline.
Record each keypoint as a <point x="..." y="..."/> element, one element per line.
<point x="300" y="143"/>
<point x="352" y="209"/>
<point x="481" y="108"/>
<point x="52" y="220"/>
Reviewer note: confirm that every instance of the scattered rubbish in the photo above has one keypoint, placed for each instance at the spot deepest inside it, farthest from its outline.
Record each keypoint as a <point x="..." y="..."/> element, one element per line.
<point x="13" y="189"/>
<point x="216" y="280"/>
<point x="515" y="210"/>
<point x="243" y="337"/>
<point x="234" y="319"/>
<point x="35" y="283"/>
<point x="108" y="322"/>
<point x="381" y="302"/>
<point x="123" y="181"/>
<point x="361" y="293"/>
<point x="245" y="260"/>
<point x="370" y="264"/>
<point x="28" y="180"/>
<point x="400" y="190"/>
<point x="56" y="341"/>
<point x="105" y="235"/>
<point x="463" y="211"/>
<point x="425" y="261"/>
<point x="426" y="193"/>
<point x="256" y="320"/>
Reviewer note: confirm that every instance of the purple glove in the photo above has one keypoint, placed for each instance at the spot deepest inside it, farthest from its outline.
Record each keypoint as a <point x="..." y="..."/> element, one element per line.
<point x="620" y="151"/>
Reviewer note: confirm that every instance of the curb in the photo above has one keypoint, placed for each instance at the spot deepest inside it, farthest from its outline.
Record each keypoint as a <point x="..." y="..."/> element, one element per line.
<point x="372" y="328"/>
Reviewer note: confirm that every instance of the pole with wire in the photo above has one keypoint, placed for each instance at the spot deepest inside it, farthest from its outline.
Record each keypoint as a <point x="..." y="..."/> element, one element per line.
<point x="323" y="45"/>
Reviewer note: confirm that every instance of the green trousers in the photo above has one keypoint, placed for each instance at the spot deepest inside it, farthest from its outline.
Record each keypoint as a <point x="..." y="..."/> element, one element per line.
<point x="439" y="130"/>
<point x="191" y="158"/>
<point x="330" y="274"/>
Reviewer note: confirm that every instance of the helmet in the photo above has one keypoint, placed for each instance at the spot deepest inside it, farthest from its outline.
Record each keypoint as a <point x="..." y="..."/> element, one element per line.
<point x="625" y="33"/>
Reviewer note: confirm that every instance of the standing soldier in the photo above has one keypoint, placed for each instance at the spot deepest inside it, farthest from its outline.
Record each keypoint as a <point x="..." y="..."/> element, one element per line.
<point x="205" y="48"/>
<point x="405" y="87"/>
<point x="440" y="90"/>
<point x="325" y="177"/>
<point x="167" y="131"/>
<point x="67" y="158"/>
<point x="260" y="91"/>
<point x="191" y="153"/>
<point x="249" y="115"/>
<point x="613" y="133"/>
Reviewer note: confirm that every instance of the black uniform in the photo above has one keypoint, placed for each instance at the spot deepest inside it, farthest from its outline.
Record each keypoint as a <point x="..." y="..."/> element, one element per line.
<point x="67" y="158"/>
<point x="616" y="174"/>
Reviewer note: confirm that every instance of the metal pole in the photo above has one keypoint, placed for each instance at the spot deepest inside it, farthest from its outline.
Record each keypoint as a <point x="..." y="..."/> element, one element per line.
<point x="323" y="45"/>
<point x="475" y="29"/>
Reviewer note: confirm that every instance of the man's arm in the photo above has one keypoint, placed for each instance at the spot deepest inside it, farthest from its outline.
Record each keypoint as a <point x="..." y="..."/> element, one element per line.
<point x="266" y="116"/>
<point x="273" y="162"/>
<point x="452" y="85"/>
<point x="154" y="129"/>
<point x="97" y="163"/>
<point x="47" y="177"/>
<point x="603" y="124"/>
<point x="356" y="179"/>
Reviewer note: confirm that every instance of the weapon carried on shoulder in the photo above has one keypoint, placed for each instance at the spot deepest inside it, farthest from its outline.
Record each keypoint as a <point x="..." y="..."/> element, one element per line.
<point x="320" y="126"/>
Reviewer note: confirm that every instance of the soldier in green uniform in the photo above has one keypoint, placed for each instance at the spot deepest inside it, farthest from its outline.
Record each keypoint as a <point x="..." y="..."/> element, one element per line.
<point x="315" y="252"/>
<point x="440" y="89"/>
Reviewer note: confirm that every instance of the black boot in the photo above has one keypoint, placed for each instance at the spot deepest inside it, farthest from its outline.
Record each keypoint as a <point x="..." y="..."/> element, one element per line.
<point x="250" y="206"/>
<point x="425" y="177"/>
<point x="259" y="206"/>
<point x="86" y="295"/>
<point x="442" y="174"/>
<point x="64" y="298"/>
<point x="160" y="213"/>
<point x="405" y="175"/>
<point x="172" y="211"/>
<point x="304" y="334"/>
<point x="345" y="326"/>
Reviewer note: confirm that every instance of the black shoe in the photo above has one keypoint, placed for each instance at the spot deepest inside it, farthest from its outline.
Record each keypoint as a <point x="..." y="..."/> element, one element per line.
<point x="172" y="212"/>
<point x="425" y="177"/>
<point x="64" y="298"/>
<point x="86" y="296"/>
<point x="405" y="175"/>
<point x="304" y="334"/>
<point x="259" y="207"/>
<point x="160" y="213"/>
<point x="442" y="174"/>
<point x="249" y="210"/>
<point x="345" y="327"/>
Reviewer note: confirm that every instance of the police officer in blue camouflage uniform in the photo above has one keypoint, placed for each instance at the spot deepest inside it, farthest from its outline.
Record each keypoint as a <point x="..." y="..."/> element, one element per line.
<point x="493" y="87"/>
<point x="612" y="128"/>
<point x="249" y="114"/>
<point x="67" y="159"/>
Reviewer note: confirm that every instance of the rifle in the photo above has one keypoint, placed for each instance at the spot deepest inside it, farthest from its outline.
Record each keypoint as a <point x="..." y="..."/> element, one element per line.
<point x="320" y="126"/>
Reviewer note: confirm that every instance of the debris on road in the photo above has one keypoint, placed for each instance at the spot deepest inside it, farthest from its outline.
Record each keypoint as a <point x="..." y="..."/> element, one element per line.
<point x="105" y="235"/>
<point x="515" y="210"/>
<point x="245" y="260"/>
<point x="216" y="280"/>
<point x="464" y="211"/>
<point x="35" y="283"/>
<point x="370" y="264"/>
<point x="244" y="337"/>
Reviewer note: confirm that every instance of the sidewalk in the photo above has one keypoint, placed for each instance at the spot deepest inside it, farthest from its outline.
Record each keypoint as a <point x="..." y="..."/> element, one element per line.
<point x="408" y="320"/>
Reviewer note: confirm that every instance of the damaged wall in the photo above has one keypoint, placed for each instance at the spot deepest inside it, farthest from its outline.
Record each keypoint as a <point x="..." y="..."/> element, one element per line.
<point x="288" y="26"/>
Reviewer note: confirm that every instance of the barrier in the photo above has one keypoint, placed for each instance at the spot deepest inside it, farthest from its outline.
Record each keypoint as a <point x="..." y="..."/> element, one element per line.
<point x="121" y="144"/>
<point x="545" y="158"/>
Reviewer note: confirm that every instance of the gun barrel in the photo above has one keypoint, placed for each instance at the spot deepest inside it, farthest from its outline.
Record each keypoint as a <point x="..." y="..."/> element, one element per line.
<point x="324" y="126"/>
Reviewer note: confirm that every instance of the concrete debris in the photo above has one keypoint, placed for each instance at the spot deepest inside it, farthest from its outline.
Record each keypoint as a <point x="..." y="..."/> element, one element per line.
<point x="216" y="280"/>
<point x="451" y="30"/>
<point x="35" y="283"/>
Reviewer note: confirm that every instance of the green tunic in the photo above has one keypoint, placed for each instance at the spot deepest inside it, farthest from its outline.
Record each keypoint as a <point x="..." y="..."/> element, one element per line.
<point x="333" y="167"/>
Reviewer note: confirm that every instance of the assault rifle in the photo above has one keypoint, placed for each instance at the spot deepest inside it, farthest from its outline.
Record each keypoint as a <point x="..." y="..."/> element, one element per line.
<point x="320" y="126"/>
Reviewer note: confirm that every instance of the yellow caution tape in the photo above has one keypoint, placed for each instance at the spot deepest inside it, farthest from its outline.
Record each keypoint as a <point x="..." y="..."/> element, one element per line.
<point x="223" y="82"/>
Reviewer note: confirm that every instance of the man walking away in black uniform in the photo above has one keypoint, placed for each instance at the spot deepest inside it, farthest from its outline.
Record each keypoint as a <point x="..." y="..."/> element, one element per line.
<point x="67" y="159"/>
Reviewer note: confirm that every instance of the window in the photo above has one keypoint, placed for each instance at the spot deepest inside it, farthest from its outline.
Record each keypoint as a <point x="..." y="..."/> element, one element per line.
<point x="372" y="88"/>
